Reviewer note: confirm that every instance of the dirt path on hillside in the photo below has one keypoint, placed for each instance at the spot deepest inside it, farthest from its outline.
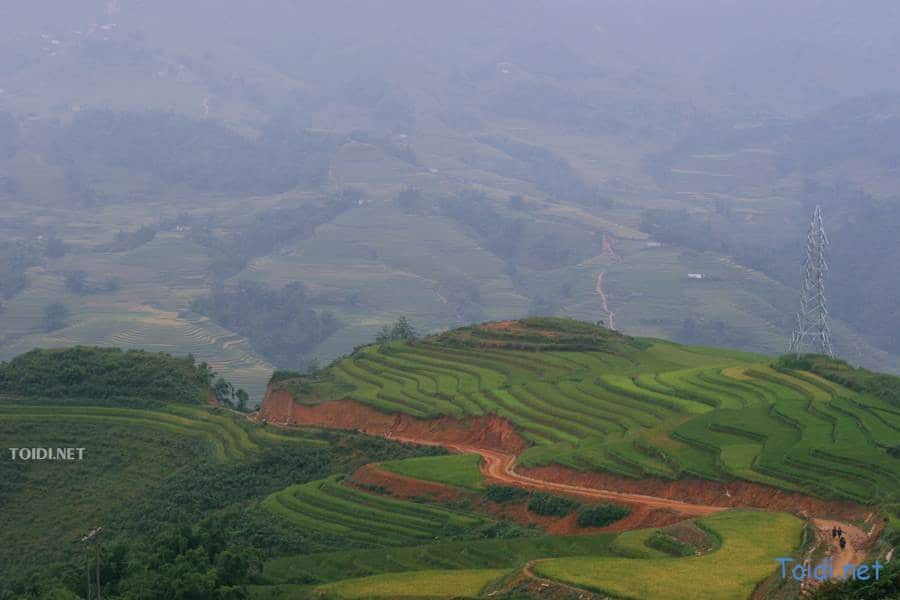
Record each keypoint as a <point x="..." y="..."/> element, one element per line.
<point x="528" y="571"/>
<point x="497" y="442"/>
<point x="499" y="467"/>
<point x="610" y="315"/>
<point x="854" y="553"/>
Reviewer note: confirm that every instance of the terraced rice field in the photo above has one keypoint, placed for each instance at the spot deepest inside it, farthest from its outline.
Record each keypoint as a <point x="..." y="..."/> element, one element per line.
<point x="329" y="508"/>
<point x="749" y="540"/>
<point x="460" y="470"/>
<point x="643" y="408"/>
<point x="228" y="437"/>
<point x="414" y="584"/>
<point x="485" y="554"/>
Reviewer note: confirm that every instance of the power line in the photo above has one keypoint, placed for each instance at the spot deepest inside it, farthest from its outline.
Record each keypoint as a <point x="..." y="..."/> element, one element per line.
<point x="813" y="332"/>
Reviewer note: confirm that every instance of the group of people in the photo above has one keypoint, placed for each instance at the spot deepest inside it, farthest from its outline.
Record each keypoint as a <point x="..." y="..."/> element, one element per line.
<point x="837" y="532"/>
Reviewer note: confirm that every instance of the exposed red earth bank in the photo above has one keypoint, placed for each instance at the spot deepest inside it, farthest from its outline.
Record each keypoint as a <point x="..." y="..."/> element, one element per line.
<point x="653" y="502"/>
<point x="372" y="478"/>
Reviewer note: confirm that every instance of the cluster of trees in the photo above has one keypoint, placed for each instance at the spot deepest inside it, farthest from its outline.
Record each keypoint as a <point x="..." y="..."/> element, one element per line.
<point x="106" y="376"/>
<point x="681" y="228"/>
<point x="230" y="396"/>
<point x="700" y="331"/>
<point x="505" y="493"/>
<point x="77" y="282"/>
<point x="203" y="154"/>
<point x="15" y="258"/>
<point x="55" y="316"/>
<point x="279" y="323"/>
<point x="880" y="385"/>
<point x="129" y="240"/>
<point x="548" y="505"/>
<point x="601" y="515"/>
<point x="399" y="331"/>
<point x="550" y="172"/>
<point x="268" y="230"/>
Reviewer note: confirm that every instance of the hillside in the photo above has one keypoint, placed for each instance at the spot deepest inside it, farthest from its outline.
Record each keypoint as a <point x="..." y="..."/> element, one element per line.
<point x="579" y="457"/>
<point x="591" y="400"/>
<point x="106" y="375"/>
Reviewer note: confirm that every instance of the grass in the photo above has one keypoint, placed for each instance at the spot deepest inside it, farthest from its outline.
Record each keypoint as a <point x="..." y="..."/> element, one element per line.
<point x="461" y="470"/>
<point x="415" y="584"/>
<point x="635" y="407"/>
<point x="470" y="554"/>
<point x="750" y="542"/>
<point x="227" y="436"/>
<point x="47" y="506"/>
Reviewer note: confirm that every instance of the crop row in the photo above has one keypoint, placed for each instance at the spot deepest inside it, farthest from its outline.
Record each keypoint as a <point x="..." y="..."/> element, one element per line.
<point x="330" y="508"/>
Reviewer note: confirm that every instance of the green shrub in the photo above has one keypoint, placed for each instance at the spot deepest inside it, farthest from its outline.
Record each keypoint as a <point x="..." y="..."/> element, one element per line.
<point x="880" y="385"/>
<point x="601" y="515"/>
<point x="283" y="375"/>
<point x="505" y="493"/>
<point x="551" y="506"/>
<point x="100" y="374"/>
<point x="670" y="545"/>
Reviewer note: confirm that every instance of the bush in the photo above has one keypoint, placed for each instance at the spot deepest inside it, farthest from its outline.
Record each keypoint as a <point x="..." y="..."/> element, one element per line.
<point x="881" y="385"/>
<point x="601" y="515"/>
<point x="99" y="374"/>
<point x="504" y="493"/>
<point x="551" y="506"/>
<point x="283" y="375"/>
<point x="670" y="545"/>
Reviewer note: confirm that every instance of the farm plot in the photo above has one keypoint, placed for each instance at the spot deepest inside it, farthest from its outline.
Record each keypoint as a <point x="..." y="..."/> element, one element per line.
<point x="589" y="398"/>
<point x="329" y="508"/>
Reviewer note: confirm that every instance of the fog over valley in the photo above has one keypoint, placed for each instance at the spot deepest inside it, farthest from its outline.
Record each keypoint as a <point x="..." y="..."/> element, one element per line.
<point x="269" y="185"/>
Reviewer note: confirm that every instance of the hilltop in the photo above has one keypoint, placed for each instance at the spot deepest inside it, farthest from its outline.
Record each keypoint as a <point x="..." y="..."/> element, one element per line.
<point x="106" y="375"/>
<point x="539" y="334"/>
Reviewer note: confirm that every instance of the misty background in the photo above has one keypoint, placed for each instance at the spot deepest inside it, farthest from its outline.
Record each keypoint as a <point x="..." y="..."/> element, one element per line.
<point x="268" y="184"/>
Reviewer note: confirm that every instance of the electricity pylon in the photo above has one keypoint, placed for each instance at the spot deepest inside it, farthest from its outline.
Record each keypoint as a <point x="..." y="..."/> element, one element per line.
<point x="813" y="333"/>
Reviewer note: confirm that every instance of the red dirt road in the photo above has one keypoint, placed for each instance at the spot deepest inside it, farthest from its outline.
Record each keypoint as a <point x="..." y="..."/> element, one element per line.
<point x="501" y="467"/>
<point x="497" y="442"/>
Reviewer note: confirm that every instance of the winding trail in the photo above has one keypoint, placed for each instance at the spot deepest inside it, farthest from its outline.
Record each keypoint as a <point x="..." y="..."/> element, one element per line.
<point x="604" y="301"/>
<point x="528" y="571"/>
<point x="499" y="466"/>
<point x="852" y="554"/>
<point x="496" y="441"/>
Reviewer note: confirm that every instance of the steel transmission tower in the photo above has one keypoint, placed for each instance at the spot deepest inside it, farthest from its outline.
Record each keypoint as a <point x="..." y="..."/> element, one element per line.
<point x="813" y="333"/>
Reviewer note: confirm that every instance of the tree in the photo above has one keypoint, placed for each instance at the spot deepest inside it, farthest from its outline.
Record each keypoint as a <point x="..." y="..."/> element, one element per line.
<point x="401" y="330"/>
<point x="76" y="282"/>
<point x="242" y="399"/>
<point x="224" y="391"/>
<point x="55" y="316"/>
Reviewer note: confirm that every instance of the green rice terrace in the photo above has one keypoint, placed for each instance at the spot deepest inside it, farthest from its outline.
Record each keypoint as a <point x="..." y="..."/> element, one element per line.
<point x="197" y="499"/>
<point x="594" y="400"/>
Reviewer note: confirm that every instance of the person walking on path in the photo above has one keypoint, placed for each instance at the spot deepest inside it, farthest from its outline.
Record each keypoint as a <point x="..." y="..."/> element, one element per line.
<point x="833" y="531"/>
<point x="843" y="543"/>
